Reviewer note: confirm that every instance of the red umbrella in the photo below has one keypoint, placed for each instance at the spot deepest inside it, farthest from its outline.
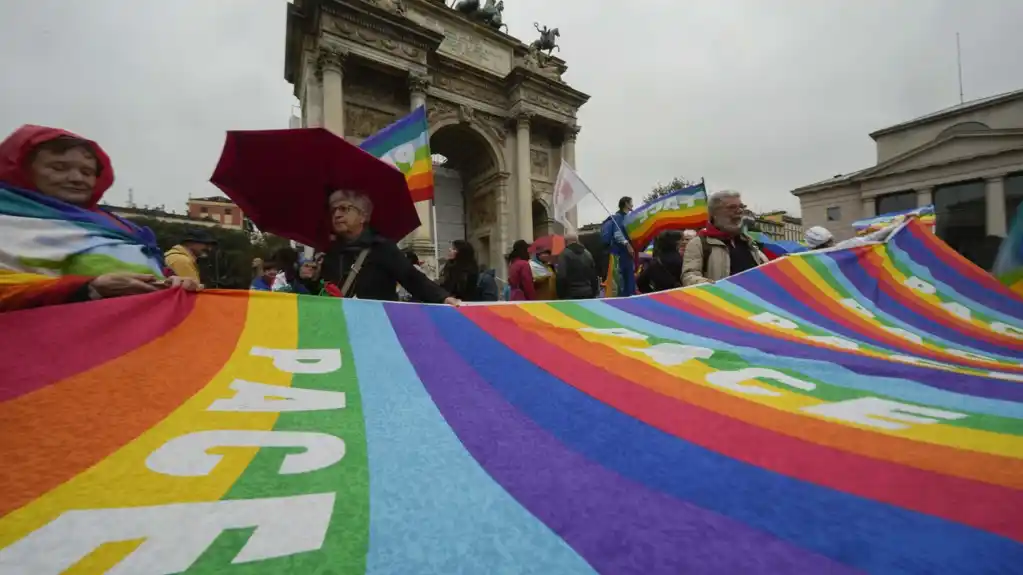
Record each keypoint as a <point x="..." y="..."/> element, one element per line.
<point x="552" y="243"/>
<point x="281" y="180"/>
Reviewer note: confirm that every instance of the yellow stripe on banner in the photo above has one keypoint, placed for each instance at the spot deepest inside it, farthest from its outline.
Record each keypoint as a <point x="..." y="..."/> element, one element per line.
<point x="695" y="372"/>
<point x="123" y="480"/>
<point x="12" y="277"/>
<point x="421" y="167"/>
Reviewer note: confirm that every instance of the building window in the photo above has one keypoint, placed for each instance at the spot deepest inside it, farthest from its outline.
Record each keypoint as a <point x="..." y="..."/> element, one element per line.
<point x="1013" y="197"/>
<point x="227" y="211"/>
<point x="834" y="213"/>
<point x="897" y="202"/>
<point x="204" y="210"/>
<point x="959" y="216"/>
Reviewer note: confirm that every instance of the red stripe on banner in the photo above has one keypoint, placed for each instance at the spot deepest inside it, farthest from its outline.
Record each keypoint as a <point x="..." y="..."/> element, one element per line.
<point x="77" y="422"/>
<point x="82" y="336"/>
<point x="879" y="480"/>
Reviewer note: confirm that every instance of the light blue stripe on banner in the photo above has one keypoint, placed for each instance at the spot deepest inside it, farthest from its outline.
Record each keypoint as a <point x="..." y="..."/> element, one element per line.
<point x="433" y="509"/>
<point x="831" y="373"/>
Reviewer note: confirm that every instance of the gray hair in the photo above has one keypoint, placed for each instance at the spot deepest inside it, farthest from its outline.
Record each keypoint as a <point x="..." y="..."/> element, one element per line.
<point x="718" y="197"/>
<point x="358" y="199"/>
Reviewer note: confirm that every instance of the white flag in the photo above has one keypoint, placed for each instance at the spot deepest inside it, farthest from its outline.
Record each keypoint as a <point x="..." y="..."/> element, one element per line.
<point x="569" y="189"/>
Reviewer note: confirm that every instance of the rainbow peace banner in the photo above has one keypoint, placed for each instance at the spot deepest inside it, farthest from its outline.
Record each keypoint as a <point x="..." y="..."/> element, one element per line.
<point x="684" y="209"/>
<point x="846" y="411"/>
<point x="870" y="225"/>
<point x="405" y="145"/>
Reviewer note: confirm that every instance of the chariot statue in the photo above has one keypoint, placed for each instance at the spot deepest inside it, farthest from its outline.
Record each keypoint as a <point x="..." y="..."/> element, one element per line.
<point x="489" y="14"/>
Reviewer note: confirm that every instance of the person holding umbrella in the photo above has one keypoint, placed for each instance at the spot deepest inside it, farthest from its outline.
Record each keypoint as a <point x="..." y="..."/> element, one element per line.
<point x="366" y="262"/>
<point x="311" y="186"/>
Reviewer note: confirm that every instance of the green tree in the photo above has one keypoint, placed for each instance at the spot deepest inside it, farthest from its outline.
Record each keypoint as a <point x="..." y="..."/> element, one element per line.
<point x="230" y="264"/>
<point x="676" y="183"/>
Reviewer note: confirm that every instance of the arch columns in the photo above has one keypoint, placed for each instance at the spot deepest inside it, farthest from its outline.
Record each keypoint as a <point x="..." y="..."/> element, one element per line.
<point x="524" y="195"/>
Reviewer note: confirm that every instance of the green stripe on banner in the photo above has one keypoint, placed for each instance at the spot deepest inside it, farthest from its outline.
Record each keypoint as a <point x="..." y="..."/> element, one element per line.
<point x="321" y="325"/>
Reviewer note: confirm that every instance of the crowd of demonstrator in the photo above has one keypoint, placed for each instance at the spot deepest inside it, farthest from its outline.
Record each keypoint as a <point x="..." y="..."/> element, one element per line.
<point x="64" y="248"/>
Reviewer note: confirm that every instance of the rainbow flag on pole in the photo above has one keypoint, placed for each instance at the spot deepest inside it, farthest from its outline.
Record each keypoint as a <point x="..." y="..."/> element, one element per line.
<point x="405" y="145"/>
<point x="831" y="412"/>
<point x="684" y="209"/>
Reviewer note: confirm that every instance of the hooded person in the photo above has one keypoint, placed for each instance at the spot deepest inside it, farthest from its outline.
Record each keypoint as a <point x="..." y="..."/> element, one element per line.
<point x="183" y="258"/>
<point x="819" y="238"/>
<point x="59" y="246"/>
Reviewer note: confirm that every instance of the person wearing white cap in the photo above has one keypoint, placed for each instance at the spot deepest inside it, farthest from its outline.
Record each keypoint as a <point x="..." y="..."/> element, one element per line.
<point x="819" y="238"/>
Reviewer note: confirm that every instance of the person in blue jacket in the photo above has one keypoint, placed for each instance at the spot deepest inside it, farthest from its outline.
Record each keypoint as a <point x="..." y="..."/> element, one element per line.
<point x="622" y="247"/>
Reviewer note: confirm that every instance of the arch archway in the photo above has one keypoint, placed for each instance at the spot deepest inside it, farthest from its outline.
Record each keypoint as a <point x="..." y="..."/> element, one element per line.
<point x="543" y="222"/>
<point x="465" y="193"/>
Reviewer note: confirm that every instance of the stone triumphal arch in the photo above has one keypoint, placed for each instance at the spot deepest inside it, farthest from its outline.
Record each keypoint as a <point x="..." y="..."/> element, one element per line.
<point x="499" y="112"/>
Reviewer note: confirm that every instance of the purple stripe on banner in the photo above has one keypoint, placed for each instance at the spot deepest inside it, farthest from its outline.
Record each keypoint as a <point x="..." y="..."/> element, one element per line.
<point x="619" y="526"/>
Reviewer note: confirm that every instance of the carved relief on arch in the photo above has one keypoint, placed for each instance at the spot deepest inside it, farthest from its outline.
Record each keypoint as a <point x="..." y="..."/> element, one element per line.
<point x="542" y="192"/>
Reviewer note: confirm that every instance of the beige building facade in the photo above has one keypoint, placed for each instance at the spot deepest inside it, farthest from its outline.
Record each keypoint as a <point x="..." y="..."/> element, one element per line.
<point x="966" y="160"/>
<point x="499" y="112"/>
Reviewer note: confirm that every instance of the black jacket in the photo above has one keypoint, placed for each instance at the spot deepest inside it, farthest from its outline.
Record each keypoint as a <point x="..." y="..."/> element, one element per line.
<point x="576" y="273"/>
<point x="461" y="283"/>
<point x="664" y="272"/>
<point x="385" y="267"/>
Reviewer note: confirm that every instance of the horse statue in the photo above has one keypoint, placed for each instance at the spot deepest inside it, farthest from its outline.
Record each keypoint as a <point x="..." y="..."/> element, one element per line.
<point x="491" y="15"/>
<point x="547" y="41"/>
<point x="467" y="7"/>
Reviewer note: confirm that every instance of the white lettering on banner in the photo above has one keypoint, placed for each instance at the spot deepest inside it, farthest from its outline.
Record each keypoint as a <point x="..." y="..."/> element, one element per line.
<point x="768" y="318"/>
<point x="302" y="360"/>
<point x="175" y="535"/>
<point x="1006" y="329"/>
<point x="834" y="341"/>
<point x="855" y="306"/>
<point x="186" y="456"/>
<point x="615" y="331"/>
<point x="957" y="309"/>
<point x="733" y="380"/>
<point x="670" y="203"/>
<point x="1005" y="375"/>
<point x="260" y="397"/>
<point x="921" y="361"/>
<point x="917" y="284"/>
<point x="906" y="335"/>
<point x="672" y="354"/>
<point x="867" y="410"/>
<point x="969" y="355"/>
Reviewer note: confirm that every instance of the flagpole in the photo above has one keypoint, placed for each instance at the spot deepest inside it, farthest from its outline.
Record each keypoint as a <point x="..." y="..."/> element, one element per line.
<point x="436" y="236"/>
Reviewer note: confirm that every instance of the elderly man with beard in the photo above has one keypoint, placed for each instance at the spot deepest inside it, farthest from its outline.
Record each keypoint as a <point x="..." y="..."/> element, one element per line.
<point x="722" y="248"/>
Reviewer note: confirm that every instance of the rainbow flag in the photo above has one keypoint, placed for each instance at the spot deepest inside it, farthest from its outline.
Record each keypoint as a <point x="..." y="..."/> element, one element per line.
<point x="684" y="209"/>
<point x="405" y="145"/>
<point x="773" y="248"/>
<point x="871" y="225"/>
<point x="847" y="411"/>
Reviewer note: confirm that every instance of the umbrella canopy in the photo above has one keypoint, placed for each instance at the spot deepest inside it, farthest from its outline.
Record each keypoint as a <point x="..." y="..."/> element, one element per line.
<point x="552" y="243"/>
<point x="281" y="180"/>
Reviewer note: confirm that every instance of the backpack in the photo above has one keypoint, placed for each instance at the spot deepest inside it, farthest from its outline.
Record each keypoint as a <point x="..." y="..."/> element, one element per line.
<point x="607" y="232"/>
<point x="706" y="254"/>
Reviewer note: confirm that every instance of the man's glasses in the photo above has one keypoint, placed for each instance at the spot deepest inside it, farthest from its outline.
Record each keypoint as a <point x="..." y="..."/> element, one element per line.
<point x="343" y="209"/>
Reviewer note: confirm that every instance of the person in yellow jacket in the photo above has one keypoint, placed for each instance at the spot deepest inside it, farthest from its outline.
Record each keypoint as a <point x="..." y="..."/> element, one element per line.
<point x="182" y="259"/>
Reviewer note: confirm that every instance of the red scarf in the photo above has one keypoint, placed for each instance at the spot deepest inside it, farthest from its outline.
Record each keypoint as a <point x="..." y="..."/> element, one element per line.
<point x="712" y="232"/>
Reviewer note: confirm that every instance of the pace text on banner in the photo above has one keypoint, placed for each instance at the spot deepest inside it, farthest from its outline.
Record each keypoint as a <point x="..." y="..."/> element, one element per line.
<point x="405" y="144"/>
<point x="684" y="209"/>
<point x="569" y="190"/>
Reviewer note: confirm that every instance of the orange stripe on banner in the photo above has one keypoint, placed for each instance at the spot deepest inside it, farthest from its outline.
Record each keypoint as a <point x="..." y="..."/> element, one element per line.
<point x="982" y="467"/>
<point x="419" y="181"/>
<point x="77" y="422"/>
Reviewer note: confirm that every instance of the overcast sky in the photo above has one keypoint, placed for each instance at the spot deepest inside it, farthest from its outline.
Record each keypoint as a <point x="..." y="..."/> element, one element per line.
<point x="755" y="95"/>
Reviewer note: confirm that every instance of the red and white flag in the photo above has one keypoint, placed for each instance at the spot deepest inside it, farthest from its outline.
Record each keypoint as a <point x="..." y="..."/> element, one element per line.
<point x="569" y="189"/>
